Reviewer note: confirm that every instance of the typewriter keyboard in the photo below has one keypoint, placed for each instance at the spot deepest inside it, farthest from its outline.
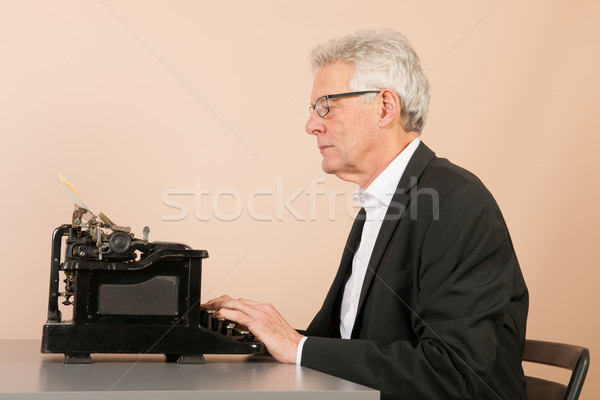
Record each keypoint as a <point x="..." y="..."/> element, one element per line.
<point x="223" y="326"/>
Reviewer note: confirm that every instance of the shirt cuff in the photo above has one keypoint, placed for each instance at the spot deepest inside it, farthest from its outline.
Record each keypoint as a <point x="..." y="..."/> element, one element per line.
<point x="299" y="351"/>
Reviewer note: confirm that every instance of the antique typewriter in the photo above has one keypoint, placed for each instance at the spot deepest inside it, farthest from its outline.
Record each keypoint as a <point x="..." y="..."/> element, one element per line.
<point x="130" y="295"/>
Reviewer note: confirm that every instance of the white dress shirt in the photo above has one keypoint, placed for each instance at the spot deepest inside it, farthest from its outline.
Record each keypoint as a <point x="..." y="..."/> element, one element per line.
<point x="375" y="199"/>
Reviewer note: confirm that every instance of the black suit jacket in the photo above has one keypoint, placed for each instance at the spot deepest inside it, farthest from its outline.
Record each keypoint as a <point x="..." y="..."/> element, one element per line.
<point x="443" y="307"/>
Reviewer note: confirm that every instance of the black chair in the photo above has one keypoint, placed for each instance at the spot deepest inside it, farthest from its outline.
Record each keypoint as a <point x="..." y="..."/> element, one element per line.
<point x="574" y="358"/>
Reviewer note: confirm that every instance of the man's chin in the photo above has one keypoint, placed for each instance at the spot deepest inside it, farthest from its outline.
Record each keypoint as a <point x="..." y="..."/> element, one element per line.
<point x="340" y="171"/>
<point x="328" y="168"/>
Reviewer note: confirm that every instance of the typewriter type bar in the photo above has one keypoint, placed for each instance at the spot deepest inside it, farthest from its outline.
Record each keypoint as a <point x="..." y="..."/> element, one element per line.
<point x="132" y="296"/>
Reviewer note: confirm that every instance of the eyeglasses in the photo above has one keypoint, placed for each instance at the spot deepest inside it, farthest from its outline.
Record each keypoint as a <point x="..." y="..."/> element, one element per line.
<point x="322" y="103"/>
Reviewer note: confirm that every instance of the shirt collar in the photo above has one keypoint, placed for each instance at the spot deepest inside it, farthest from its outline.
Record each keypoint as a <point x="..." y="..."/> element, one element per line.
<point x="383" y="188"/>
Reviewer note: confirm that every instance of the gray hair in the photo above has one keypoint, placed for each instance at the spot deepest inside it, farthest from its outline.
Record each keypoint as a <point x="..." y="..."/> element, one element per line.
<point x="382" y="59"/>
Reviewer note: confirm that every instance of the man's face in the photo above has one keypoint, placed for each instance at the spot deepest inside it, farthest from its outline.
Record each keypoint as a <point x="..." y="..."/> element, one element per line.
<point x="345" y="136"/>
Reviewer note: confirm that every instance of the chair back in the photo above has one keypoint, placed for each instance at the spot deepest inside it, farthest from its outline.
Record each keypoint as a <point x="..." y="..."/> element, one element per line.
<point x="574" y="358"/>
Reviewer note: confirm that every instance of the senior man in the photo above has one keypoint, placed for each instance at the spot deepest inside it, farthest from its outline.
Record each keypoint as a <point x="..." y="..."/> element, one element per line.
<point x="429" y="301"/>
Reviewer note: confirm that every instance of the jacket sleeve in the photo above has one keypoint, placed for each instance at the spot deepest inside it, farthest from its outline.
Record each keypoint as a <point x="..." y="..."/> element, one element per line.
<point x="462" y="291"/>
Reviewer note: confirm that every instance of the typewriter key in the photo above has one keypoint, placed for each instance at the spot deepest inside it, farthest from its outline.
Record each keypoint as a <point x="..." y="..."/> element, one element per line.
<point x="216" y="323"/>
<point x="240" y="334"/>
<point x="229" y="328"/>
<point x="206" y="318"/>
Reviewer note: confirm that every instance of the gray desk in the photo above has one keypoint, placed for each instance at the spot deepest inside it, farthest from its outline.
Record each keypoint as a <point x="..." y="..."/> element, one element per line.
<point x="25" y="373"/>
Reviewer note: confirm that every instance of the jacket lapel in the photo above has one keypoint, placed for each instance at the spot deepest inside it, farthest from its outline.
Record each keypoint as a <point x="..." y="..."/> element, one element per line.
<point x="397" y="209"/>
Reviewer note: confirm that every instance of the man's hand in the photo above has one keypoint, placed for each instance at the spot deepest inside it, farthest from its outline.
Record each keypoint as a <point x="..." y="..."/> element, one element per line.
<point x="264" y="321"/>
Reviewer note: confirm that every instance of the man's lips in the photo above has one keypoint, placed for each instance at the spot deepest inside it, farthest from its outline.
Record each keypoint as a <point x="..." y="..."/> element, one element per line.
<point x="325" y="146"/>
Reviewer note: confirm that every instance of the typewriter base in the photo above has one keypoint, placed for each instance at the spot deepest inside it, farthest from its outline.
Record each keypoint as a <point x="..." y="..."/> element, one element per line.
<point x="181" y="344"/>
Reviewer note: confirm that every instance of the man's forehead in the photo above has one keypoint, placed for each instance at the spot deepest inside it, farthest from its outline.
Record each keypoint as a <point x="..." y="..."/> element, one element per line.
<point x="331" y="79"/>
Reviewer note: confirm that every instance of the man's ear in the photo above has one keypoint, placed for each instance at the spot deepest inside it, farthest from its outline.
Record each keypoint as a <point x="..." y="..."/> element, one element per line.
<point x="390" y="107"/>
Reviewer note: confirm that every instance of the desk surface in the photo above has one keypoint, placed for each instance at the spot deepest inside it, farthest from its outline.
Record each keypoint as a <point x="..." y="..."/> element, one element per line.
<point x="26" y="373"/>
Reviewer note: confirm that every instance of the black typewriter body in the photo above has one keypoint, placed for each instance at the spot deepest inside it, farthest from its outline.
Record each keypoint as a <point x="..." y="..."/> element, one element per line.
<point x="132" y="296"/>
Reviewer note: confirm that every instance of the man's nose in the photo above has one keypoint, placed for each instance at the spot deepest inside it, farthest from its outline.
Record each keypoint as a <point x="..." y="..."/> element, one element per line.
<point x="314" y="125"/>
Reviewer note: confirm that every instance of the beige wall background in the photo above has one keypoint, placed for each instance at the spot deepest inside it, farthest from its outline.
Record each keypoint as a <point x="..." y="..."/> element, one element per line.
<point x="134" y="101"/>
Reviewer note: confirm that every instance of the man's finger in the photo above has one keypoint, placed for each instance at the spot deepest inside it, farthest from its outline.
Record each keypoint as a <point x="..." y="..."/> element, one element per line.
<point x="215" y="304"/>
<point x="248" y="301"/>
<point x="234" y="315"/>
<point x="252" y="311"/>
